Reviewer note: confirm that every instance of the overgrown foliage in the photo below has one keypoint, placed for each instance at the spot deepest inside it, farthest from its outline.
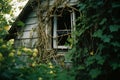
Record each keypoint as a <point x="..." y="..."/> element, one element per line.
<point x="5" y="8"/>
<point x="97" y="46"/>
<point x="23" y="63"/>
<point x="45" y="12"/>
<point x="95" y="53"/>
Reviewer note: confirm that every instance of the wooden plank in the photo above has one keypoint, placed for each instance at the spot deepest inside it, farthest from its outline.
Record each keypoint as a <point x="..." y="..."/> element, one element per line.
<point x="30" y="27"/>
<point x="31" y="20"/>
<point x="32" y="14"/>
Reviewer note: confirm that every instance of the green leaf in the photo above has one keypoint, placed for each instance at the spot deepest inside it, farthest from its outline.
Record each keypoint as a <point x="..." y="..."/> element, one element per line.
<point x="98" y="33"/>
<point x="115" y="5"/>
<point x="94" y="73"/>
<point x="116" y="44"/>
<point x="114" y="28"/>
<point x="82" y="6"/>
<point x="20" y="23"/>
<point x="114" y="65"/>
<point x="106" y="38"/>
<point x="1" y="6"/>
<point x="101" y="46"/>
<point x="81" y="67"/>
<point x="100" y="3"/>
<point x="103" y="21"/>
<point x="90" y="60"/>
<point x="100" y="59"/>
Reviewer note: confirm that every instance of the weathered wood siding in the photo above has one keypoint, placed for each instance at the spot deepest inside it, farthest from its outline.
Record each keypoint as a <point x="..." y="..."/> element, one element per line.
<point x="28" y="35"/>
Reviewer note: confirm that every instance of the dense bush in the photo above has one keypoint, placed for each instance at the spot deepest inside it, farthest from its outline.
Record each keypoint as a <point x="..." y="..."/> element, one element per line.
<point x="21" y="64"/>
<point x="97" y="47"/>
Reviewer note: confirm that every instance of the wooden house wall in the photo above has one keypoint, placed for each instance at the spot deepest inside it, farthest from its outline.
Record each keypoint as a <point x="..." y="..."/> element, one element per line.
<point x="28" y="35"/>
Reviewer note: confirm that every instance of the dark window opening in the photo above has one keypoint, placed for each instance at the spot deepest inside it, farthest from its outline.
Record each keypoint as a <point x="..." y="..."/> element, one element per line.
<point x="64" y="21"/>
<point x="63" y="27"/>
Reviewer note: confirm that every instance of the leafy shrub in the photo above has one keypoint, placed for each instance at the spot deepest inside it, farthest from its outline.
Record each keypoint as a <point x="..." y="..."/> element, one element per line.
<point x="97" y="47"/>
<point x="21" y="64"/>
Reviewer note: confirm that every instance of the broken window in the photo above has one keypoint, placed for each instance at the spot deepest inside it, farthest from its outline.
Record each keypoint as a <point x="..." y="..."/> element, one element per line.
<point x="63" y="23"/>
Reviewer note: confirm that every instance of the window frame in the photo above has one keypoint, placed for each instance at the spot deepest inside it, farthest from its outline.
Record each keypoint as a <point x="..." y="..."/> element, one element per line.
<point x="55" y="36"/>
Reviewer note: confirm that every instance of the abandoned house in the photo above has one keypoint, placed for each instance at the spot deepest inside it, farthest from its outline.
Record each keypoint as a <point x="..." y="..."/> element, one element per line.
<point x="46" y="25"/>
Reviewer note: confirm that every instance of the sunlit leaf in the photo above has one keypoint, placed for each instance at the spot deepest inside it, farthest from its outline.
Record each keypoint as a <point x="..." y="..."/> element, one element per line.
<point x="20" y="23"/>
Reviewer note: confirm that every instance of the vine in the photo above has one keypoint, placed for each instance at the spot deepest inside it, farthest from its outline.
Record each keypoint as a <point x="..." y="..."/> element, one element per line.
<point x="96" y="51"/>
<point x="44" y="18"/>
<point x="45" y="12"/>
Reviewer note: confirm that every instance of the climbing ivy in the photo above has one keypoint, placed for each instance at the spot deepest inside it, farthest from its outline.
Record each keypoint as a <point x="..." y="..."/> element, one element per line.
<point x="97" y="46"/>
